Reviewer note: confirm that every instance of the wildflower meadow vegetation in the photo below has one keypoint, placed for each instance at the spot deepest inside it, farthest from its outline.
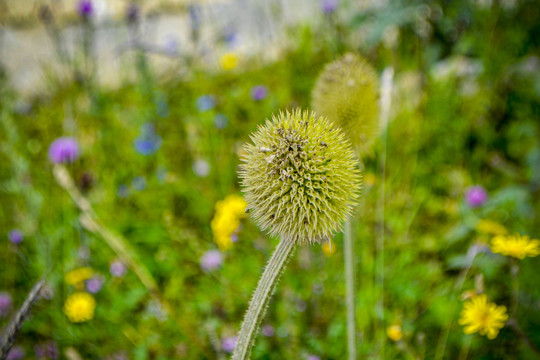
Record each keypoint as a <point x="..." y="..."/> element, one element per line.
<point x="364" y="185"/>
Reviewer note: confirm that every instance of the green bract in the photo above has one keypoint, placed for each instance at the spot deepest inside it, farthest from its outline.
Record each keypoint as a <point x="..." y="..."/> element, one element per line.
<point x="346" y="93"/>
<point x="300" y="177"/>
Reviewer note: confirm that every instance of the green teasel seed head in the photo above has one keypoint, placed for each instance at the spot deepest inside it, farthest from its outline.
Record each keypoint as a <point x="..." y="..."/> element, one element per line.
<point x="300" y="177"/>
<point x="347" y="93"/>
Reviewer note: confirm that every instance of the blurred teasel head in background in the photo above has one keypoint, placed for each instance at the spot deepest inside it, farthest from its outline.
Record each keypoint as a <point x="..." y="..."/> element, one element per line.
<point x="300" y="177"/>
<point x="346" y="92"/>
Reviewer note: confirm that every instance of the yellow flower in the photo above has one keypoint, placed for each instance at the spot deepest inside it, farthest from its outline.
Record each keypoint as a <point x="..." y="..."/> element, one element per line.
<point x="79" y="307"/>
<point x="486" y="318"/>
<point x="328" y="248"/>
<point x="77" y="276"/>
<point x="517" y="246"/>
<point x="394" y="332"/>
<point x="226" y="220"/>
<point x="490" y="227"/>
<point x="228" y="61"/>
<point x="233" y="204"/>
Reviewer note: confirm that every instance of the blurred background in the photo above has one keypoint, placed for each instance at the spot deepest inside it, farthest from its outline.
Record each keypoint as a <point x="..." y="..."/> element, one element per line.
<point x="121" y="126"/>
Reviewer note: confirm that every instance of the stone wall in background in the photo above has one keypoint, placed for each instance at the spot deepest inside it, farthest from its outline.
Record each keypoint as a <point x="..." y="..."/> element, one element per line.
<point x="251" y="29"/>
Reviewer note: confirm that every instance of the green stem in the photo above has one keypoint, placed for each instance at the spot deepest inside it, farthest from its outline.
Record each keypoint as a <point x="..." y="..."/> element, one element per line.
<point x="458" y="286"/>
<point x="514" y="271"/>
<point x="261" y="298"/>
<point x="519" y="332"/>
<point x="349" y="286"/>
<point x="464" y="353"/>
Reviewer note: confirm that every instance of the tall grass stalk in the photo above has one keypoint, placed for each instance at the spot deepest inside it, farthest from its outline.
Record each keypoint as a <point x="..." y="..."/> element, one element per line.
<point x="350" y="290"/>
<point x="261" y="298"/>
<point x="385" y="104"/>
<point x="458" y="287"/>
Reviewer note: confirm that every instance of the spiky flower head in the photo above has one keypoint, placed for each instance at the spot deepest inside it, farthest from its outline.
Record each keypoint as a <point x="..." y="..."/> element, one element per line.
<point x="300" y="177"/>
<point x="346" y="92"/>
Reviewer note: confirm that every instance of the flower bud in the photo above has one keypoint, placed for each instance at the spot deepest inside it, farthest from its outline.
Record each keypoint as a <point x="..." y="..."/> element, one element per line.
<point x="300" y="177"/>
<point x="346" y="92"/>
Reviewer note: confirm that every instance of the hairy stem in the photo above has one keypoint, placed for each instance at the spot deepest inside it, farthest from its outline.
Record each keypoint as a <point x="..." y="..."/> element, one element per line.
<point x="349" y="286"/>
<point x="261" y="298"/>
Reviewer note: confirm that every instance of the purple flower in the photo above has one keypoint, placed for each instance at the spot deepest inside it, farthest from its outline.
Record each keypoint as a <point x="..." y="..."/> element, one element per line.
<point x="211" y="260"/>
<point x="132" y="13"/>
<point x="220" y="121"/>
<point x="138" y="183"/>
<point x="171" y="45"/>
<point x="205" y="102"/>
<point x="194" y="12"/>
<point x="259" y="92"/>
<point x="268" y="330"/>
<point x="63" y="150"/>
<point x="228" y="344"/>
<point x="148" y="143"/>
<point x="329" y="6"/>
<point x="94" y="284"/>
<point x="231" y="37"/>
<point x="16" y="353"/>
<point x="476" y="196"/>
<point x="313" y="357"/>
<point x="16" y="236"/>
<point x="117" y="268"/>
<point x="48" y="350"/>
<point x="5" y="303"/>
<point x="85" y="8"/>
<point x="201" y="168"/>
<point x="122" y="191"/>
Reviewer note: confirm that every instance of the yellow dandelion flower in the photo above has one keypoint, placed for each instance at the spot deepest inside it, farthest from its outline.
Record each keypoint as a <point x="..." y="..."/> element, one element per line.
<point x="517" y="246"/>
<point x="484" y="317"/>
<point x="228" y="61"/>
<point x="79" y="307"/>
<point x="394" y="332"/>
<point x="233" y="204"/>
<point x="328" y="248"/>
<point x="224" y="226"/>
<point x="77" y="276"/>
<point x="226" y="221"/>
<point x="490" y="227"/>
